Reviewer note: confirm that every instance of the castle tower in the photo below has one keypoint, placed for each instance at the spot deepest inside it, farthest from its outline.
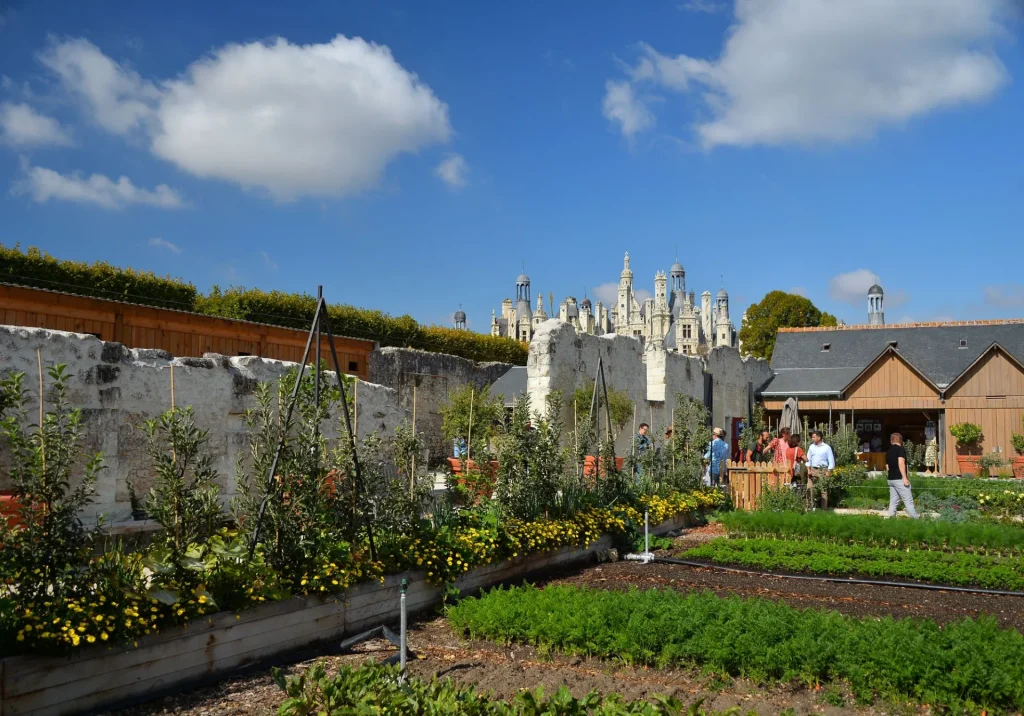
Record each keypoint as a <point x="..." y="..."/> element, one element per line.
<point x="687" y="326"/>
<point x="460" y="319"/>
<point x="707" y="324"/>
<point x="587" y="322"/>
<point x="876" y="306"/>
<point x="723" y="326"/>
<point x="622" y="312"/>
<point x="523" y="330"/>
<point x="539" y="314"/>
<point x="661" y="318"/>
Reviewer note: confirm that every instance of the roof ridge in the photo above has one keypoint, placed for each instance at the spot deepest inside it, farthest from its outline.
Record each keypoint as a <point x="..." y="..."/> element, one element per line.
<point x="896" y="326"/>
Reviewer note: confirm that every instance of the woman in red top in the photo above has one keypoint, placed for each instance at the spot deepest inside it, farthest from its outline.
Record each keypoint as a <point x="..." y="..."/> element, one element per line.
<point x="778" y="446"/>
<point x="794" y="455"/>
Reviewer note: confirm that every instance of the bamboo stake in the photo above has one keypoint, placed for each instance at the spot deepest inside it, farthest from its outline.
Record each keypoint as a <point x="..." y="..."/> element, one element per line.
<point x="633" y="439"/>
<point x="576" y="434"/>
<point x="42" y="435"/>
<point x="174" y="454"/>
<point x="412" y="472"/>
<point x="673" y="450"/>
<point x="355" y="407"/>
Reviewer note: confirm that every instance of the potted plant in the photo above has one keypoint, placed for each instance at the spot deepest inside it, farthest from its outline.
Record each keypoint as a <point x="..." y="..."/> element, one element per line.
<point x="990" y="462"/>
<point x="968" y="437"/>
<point x="1018" y="462"/>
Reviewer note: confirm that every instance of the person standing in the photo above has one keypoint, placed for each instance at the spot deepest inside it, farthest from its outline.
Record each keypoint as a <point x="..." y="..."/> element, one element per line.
<point x="643" y="444"/>
<point x="779" y="445"/>
<point x="821" y="461"/>
<point x="792" y="453"/>
<point x="899" y="482"/>
<point x="755" y="451"/>
<point x="717" y="454"/>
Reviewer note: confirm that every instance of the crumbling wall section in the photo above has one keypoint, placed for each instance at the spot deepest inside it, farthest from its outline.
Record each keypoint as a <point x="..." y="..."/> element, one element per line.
<point x="117" y="389"/>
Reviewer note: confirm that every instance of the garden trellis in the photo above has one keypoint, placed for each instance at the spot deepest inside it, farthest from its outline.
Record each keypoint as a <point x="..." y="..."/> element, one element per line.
<point x="320" y="317"/>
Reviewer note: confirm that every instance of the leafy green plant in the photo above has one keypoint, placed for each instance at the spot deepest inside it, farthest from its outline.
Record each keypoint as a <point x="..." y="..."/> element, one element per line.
<point x="967" y="435"/>
<point x="782" y="498"/>
<point x="374" y="688"/>
<point x="184" y="499"/>
<point x="53" y="483"/>
<point x="477" y="409"/>
<point x="691" y="435"/>
<point x="619" y="404"/>
<point x="872" y="530"/>
<point x="824" y="557"/>
<point x="915" y="455"/>
<point x="531" y="460"/>
<point x="991" y="461"/>
<point x="763" y="640"/>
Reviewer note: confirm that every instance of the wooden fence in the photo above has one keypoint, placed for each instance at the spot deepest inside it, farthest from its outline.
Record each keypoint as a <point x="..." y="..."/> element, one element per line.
<point x="747" y="480"/>
<point x="180" y="333"/>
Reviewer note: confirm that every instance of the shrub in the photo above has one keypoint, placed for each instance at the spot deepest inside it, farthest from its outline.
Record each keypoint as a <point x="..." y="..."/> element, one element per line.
<point x="467" y="404"/>
<point x="782" y="498"/>
<point x="965" y="665"/>
<point x="37" y="269"/>
<point x="967" y="435"/>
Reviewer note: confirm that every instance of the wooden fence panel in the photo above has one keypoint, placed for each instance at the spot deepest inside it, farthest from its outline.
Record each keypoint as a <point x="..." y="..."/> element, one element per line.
<point x="747" y="480"/>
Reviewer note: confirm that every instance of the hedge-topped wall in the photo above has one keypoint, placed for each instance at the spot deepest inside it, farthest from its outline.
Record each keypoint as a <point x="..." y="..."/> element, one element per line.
<point x="102" y="280"/>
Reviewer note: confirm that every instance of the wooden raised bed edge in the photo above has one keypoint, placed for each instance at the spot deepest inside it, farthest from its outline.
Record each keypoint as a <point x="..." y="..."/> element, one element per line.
<point x="222" y="644"/>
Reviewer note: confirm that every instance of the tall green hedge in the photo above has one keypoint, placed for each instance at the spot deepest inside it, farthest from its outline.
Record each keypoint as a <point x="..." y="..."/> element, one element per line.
<point x="40" y="270"/>
<point x="36" y="268"/>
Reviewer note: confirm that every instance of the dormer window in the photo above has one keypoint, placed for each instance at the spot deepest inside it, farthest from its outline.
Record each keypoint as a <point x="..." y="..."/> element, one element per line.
<point x="963" y="343"/>
<point x="894" y="344"/>
<point x="826" y="347"/>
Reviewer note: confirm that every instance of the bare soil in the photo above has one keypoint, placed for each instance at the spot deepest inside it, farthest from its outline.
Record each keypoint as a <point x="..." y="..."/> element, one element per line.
<point x="506" y="670"/>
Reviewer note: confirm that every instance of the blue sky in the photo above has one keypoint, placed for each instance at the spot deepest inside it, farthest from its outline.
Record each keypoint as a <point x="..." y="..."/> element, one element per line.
<point x="779" y="144"/>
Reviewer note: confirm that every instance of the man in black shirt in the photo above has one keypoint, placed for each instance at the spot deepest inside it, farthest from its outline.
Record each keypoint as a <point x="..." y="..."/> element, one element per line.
<point x="755" y="452"/>
<point x="899" y="482"/>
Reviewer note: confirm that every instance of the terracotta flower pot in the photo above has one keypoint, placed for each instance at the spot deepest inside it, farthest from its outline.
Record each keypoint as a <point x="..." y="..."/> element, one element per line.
<point x="10" y="509"/>
<point x="589" y="462"/>
<point x="1018" y="466"/>
<point x="969" y="464"/>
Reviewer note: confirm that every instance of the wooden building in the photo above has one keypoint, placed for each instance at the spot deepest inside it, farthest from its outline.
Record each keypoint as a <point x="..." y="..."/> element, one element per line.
<point x="178" y="332"/>
<point x="906" y="378"/>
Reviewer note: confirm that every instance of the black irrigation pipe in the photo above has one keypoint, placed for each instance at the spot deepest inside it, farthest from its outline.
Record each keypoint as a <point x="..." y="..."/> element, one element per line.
<point x="841" y="580"/>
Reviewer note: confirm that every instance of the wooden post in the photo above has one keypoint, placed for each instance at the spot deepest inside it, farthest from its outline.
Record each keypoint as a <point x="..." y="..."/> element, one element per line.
<point x="172" y="386"/>
<point x="42" y="434"/>
<point x="633" y="436"/>
<point x="412" y="471"/>
<point x="355" y="408"/>
<point x="672" y="449"/>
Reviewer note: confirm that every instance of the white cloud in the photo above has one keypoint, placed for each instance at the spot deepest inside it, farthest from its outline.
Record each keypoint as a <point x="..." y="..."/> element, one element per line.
<point x="321" y="119"/>
<point x="269" y="262"/>
<point x="157" y="243"/>
<point x="116" y="97"/>
<point x="1009" y="295"/>
<point x="852" y="287"/>
<point x="453" y="170"/>
<point x="813" y="71"/>
<point x="22" y="126"/>
<point x="622" y="106"/>
<point x="799" y="291"/>
<point x="708" y="6"/>
<point x="45" y="184"/>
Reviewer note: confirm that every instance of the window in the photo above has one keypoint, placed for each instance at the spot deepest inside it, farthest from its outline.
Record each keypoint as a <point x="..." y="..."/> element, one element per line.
<point x="963" y="342"/>
<point x="243" y="353"/>
<point x="894" y="344"/>
<point x="826" y="347"/>
<point x="353" y="365"/>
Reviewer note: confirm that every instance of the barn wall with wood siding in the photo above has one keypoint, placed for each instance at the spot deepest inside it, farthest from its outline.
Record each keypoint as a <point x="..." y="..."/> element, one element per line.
<point x="178" y="332"/>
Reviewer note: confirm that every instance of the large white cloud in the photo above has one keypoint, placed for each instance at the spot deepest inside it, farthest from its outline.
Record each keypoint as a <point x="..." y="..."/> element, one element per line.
<point x="45" y="184"/>
<point x="322" y="119"/>
<point x="22" y="126"/>
<point x="622" y="106"/>
<point x="852" y="287"/>
<point x="811" y="71"/>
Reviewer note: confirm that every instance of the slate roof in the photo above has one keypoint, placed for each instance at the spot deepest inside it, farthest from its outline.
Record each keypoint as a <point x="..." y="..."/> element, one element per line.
<point x="802" y="368"/>
<point x="511" y="385"/>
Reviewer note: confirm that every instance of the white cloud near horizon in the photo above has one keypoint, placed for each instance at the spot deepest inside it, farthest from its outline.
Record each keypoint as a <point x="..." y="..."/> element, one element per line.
<point x="22" y="126"/>
<point x="852" y="288"/>
<point x="45" y="184"/>
<point x="807" y="72"/>
<point x="453" y="170"/>
<point x="1010" y="295"/>
<point x="705" y="6"/>
<point x="157" y="243"/>
<point x="294" y="120"/>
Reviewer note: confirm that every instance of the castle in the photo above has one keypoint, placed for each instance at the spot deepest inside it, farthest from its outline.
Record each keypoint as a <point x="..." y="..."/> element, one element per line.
<point x="671" y="315"/>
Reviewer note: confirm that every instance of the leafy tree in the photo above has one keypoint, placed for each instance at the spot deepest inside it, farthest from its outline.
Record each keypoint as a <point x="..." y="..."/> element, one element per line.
<point x="488" y="413"/>
<point x="620" y="405"/>
<point x="778" y="310"/>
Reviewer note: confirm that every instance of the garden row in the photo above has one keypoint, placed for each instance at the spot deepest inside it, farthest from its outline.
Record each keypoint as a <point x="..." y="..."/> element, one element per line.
<point x="102" y="280"/>
<point x="821" y="557"/>
<point x="373" y="688"/>
<point x="962" y="666"/>
<point x="876" y="531"/>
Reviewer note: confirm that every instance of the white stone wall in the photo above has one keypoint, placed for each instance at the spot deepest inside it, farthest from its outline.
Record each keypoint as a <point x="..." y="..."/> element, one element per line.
<point x="119" y="388"/>
<point x="560" y="359"/>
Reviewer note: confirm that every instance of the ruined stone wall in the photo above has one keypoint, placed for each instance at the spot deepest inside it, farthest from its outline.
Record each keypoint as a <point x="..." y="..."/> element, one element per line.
<point x="561" y="359"/>
<point x="119" y="388"/>
<point x="429" y="378"/>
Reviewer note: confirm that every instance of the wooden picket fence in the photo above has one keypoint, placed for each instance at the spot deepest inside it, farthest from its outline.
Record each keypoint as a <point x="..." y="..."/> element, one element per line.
<point x="748" y="479"/>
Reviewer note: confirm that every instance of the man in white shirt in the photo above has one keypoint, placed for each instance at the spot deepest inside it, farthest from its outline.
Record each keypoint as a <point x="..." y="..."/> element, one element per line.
<point x="820" y="462"/>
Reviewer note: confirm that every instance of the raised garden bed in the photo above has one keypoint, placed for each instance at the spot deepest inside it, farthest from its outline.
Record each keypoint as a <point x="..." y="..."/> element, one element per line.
<point x="97" y="677"/>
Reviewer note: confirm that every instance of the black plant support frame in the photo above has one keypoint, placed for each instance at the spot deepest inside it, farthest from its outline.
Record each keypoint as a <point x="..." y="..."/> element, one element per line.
<point x="320" y="315"/>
